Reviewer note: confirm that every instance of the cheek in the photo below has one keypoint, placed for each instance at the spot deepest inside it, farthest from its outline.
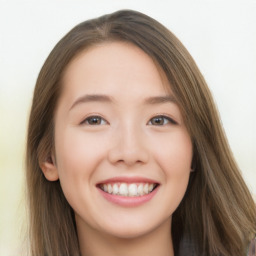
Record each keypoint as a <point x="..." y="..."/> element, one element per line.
<point x="78" y="156"/>
<point x="78" y="153"/>
<point x="174" y="157"/>
<point x="174" y="153"/>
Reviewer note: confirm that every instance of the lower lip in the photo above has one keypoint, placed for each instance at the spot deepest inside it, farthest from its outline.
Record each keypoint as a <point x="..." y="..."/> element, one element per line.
<point x="128" y="201"/>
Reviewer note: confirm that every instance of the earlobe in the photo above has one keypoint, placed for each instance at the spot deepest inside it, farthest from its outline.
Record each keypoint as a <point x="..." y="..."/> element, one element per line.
<point x="49" y="170"/>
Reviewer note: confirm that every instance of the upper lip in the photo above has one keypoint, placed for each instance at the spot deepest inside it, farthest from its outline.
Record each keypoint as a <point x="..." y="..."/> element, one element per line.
<point x="128" y="180"/>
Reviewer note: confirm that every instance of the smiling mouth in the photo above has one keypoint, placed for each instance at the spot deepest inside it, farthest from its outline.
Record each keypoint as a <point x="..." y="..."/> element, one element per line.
<point x="128" y="189"/>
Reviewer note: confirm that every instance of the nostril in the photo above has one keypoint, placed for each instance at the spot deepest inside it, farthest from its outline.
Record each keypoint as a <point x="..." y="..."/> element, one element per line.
<point x="128" y="156"/>
<point x="128" y="146"/>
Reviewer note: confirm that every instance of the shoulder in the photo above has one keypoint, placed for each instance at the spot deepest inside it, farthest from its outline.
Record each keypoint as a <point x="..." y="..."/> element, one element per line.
<point x="187" y="247"/>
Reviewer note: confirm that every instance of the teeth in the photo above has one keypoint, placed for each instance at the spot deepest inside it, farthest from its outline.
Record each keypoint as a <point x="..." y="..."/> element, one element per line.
<point x="125" y="189"/>
<point x="132" y="190"/>
<point x="145" y="188"/>
<point x="115" y="189"/>
<point x="140" y="189"/>
<point x="109" y="188"/>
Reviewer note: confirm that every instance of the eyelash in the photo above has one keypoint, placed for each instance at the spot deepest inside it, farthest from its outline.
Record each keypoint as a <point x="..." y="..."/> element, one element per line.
<point x="90" y="118"/>
<point x="166" y="119"/>
<point x="95" y="118"/>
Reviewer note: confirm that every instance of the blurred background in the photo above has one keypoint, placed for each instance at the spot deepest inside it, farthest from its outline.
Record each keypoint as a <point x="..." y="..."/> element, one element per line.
<point x="219" y="34"/>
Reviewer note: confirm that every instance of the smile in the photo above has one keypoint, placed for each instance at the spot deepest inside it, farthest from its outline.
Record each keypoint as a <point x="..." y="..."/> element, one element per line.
<point x="128" y="190"/>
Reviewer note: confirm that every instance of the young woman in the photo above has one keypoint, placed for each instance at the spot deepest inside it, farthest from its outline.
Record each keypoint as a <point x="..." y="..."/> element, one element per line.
<point x="125" y="151"/>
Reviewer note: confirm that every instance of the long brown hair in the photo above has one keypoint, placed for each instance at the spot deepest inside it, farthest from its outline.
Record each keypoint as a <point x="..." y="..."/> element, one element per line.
<point x="217" y="214"/>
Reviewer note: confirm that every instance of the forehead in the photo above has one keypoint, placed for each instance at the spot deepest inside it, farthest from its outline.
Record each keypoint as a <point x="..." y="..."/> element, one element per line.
<point x="106" y="67"/>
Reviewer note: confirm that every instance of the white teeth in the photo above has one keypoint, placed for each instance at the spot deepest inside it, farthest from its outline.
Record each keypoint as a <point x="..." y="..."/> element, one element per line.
<point x="145" y="188"/>
<point x="132" y="190"/>
<point x="140" y="190"/>
<point x="124" y="189"/>
<point x="115" y="189"/>
<point x="109" y="188"/>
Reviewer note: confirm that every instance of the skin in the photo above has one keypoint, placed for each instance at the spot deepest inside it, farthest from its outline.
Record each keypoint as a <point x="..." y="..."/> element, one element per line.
<point x="126" y="141"/>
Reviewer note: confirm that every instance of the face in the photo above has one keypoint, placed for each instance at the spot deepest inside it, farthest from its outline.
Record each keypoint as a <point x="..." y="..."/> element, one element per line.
<point x="123" y="153"/>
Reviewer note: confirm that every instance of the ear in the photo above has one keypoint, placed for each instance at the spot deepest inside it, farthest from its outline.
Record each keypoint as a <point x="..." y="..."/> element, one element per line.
<point x="49" y="169"/>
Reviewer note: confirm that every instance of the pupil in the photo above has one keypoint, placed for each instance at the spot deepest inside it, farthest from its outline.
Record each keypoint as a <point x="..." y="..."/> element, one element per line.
<point x="158" y="120"/>
<point x="95" y="120"/>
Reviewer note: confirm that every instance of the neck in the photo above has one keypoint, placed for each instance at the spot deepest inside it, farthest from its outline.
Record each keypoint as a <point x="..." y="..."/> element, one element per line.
<point x="157" y="242"/>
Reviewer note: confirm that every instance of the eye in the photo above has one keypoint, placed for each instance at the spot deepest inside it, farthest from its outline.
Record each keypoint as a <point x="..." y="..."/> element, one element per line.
<point x="161" y="120"/>
<point x="94" y="120"/>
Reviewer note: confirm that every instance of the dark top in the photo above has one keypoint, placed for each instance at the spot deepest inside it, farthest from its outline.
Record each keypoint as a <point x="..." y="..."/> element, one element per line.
<point x="188" y="249"/>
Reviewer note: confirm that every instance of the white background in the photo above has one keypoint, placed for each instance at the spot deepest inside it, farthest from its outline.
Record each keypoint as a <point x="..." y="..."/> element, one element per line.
<point x="220" y="35"/>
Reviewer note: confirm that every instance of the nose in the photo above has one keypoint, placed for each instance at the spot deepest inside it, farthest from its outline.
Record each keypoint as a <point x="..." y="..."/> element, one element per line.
<point x="129" y="147"/>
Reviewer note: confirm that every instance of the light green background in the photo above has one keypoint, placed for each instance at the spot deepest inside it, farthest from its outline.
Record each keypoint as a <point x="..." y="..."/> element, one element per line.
<point x="220" y="34"/>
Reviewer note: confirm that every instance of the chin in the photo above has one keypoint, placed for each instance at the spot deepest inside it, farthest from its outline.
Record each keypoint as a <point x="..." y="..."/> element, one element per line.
<point x="130" y="229"/>
<point x="129" y="232"/>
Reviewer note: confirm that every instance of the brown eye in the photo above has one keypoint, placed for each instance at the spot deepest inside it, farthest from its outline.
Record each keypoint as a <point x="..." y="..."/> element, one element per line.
<point x="161" y="120"/>
<point x="94" y="120"/>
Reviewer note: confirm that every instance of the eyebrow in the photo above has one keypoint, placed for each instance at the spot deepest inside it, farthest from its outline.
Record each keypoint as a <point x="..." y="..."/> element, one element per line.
<point x="160" y="99"/>
<point x="92" y="98"/>
<point x="105" y="98"/>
